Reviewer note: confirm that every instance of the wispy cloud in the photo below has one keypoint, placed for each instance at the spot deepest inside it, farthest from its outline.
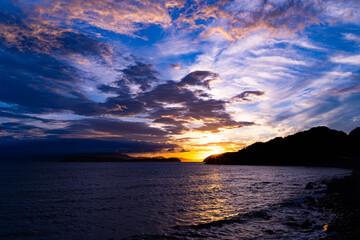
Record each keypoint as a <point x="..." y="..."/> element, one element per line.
<point x="351" y="37"/>
<point x="235" y="21"/>
<point x="353" y="60"/>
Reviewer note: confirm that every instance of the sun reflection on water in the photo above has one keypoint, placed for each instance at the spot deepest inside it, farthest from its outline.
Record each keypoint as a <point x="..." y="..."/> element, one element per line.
<point x="211" y="201"/>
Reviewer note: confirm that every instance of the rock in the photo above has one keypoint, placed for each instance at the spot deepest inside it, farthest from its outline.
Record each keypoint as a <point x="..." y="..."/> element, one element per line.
<point x="310" y="185"/>
<point x="318" y="227"/>
<point x="269" y="231"/>
<point x="310" y="200"/>
<point x="291" y="219"/>
<point x="306" y="224"/>
<point x="292" y="224"/>
<point x="311" y="208"/>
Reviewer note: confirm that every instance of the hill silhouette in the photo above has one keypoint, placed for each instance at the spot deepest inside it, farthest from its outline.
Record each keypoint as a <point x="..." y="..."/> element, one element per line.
<point x="319" y="146"/>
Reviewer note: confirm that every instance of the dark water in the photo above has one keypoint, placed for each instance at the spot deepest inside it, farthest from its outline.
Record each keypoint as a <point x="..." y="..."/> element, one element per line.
<point x="157" y="201"/>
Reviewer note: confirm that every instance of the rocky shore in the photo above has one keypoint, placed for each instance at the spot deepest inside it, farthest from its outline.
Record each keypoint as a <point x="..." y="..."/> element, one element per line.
<point x="342" y="198"/>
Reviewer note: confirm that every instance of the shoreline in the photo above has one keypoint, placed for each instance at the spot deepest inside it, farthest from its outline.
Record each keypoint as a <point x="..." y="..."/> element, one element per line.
<point x="342" y="198"/>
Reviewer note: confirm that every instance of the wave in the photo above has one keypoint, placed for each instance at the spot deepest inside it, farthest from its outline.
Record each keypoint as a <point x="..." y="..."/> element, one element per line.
<point x="239" y="218"/>
<point x="195" y="231"/>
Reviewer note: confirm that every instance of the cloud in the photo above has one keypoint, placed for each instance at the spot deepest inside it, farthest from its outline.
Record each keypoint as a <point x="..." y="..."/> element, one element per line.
<point x="43" y="26"/>
<point x="189" y="104"/>
<point x="175" y="66"/>
<point x="107" y="127"/>
<point x="140" y="74"/>
<point x="96" y="128"/>
<point x="200" y="78"/>
<point x="353" y="60"/>
<point x="124" y="17"/>
<point x="53" y="87"/>
<point x="277" y="60"/>
<point x="351" y="85"/>
<point x="173" y="99"/>
<point x="54" y="147"/>
<point x="16" y="130"/>
<point x="244" y="96"/>
<point x="71" y="58"/>
<point x="16" y="31"/>
<point x="9" y="113"/>
<point x="172" y="126"/>
<point x="351" y="37"/>
<point x="235" y="21"/>
<point x="179" y="45"/>
<point x="56" y="87"/>
<point x="215" y="127"/>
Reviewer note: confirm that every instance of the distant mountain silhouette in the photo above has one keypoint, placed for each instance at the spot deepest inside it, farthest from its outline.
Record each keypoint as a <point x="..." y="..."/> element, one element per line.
<point x="319" y="146"/>
<point x="113" y="157"/>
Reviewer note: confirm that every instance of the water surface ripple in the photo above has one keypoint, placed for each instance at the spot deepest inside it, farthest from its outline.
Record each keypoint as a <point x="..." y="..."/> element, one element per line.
<point x="157" y="201"/>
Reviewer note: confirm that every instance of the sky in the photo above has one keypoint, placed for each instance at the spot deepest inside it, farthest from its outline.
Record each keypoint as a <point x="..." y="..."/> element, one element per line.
<point x="174" y="78"/>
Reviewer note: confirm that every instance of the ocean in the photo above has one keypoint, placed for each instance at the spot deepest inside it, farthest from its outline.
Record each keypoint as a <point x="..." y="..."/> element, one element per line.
<point x="108" y="201"/>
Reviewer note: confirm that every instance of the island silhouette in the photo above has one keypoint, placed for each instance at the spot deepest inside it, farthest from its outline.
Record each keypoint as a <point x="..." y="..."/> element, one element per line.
<point x="113" y="157"/>
<point x="319" y="146"/>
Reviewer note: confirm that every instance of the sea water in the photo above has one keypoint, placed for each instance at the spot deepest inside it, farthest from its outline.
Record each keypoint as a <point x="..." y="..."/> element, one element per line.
<point x="159" y="201"/>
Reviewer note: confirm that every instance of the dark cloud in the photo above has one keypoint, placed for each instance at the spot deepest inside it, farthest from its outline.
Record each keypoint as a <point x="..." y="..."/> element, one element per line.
<point x="200" y="78"/>
<point x="207" y="109"/>
<point x="169" y="93"/>
<point x="173" y="99"/>
<point x="169" y="121"/>
<point x="34" y="65"/>
<point x="140" y="74"/>
<point x="8" y="113"/>
<point x="17" y="130"/>
<point x="222" y="124"/>
<point x="244" y="96"/>
<point x="171" y="125"/>
<point x="192" y="104"/>
<point x="175" y="65"/>
<point x="53" y="147"/>
<point x="352" y="85"/>
<point x="20" y="30"/>
<point x="115" y="127"/>
<point x="74" y="43"/>
<point x="174" y="112"/>
<point x="42" y="84"/>
<point x="87" y="135"/>
<point x="127" y="103"/>
<point x="122" y="106"/>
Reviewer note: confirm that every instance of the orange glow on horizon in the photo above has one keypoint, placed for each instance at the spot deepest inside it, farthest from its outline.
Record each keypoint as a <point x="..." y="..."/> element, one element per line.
<point x="197" y="154"/>
<point x="198" y="146"/>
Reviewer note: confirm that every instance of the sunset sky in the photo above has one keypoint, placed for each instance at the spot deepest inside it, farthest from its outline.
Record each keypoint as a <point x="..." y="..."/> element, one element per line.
<point x="174" y="78"/>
